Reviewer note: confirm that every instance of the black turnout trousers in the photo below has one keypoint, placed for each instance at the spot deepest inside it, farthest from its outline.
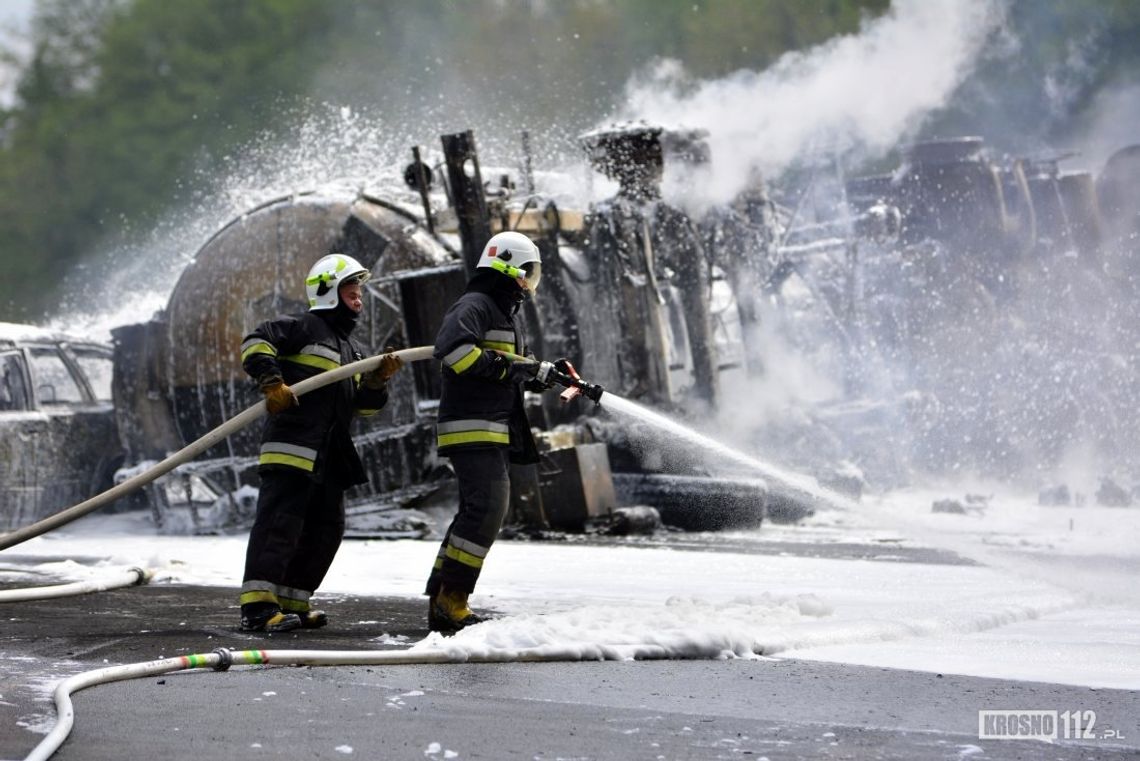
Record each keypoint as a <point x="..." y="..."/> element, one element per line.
<point x="483" y="476"/>
<point x="296" y="533"/>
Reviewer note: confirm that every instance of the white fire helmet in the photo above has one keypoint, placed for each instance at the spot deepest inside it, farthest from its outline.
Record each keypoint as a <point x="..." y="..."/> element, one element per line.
<point x="328" y="275"/>
<point x="516" y="256"/>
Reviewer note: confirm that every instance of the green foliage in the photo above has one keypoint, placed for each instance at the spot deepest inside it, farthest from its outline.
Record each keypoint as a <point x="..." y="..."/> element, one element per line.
<point x="116" y="103"/>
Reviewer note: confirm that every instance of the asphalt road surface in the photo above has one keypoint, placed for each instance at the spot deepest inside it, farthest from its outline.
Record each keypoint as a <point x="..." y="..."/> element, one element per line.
<point x="735" y="709"/>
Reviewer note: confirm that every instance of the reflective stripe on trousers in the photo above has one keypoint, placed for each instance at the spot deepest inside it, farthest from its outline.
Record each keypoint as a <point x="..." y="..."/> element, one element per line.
<point x="483" y="477"/>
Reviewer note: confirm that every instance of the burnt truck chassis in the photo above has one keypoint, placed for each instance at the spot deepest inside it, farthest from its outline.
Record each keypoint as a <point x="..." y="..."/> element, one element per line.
<point x="630" y="296"/>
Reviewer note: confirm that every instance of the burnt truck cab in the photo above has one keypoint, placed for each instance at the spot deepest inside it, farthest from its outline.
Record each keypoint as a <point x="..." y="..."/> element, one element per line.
<point x="59" y="443"/>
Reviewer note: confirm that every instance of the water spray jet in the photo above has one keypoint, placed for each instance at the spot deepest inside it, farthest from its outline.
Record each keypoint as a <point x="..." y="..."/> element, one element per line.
<point x="790" y="485"/>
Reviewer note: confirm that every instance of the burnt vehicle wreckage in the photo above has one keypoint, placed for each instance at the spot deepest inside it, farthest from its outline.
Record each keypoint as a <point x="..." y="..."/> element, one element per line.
<point x="58" y="443"/>
<point x="943" y="297"/>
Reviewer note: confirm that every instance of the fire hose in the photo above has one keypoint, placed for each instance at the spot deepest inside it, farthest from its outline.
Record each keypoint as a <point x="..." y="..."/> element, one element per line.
<point x="129" y="578"/>
<point x="564" y="374"/>
<point x="189" y="452"/>
<point x="222" y="658"/>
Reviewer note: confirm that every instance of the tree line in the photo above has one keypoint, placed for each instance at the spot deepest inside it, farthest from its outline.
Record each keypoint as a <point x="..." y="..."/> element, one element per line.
<point x="118" y="100"/>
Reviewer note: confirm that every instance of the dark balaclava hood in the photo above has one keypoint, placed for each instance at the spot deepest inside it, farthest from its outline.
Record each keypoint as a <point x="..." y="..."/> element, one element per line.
<point x="506" y="293"/>
<point x="341" y="318"/>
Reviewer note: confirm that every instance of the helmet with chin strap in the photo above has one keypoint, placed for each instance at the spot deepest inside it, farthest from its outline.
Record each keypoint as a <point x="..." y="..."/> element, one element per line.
<point x="325" y="278"/>
<point x="514" y="255"/>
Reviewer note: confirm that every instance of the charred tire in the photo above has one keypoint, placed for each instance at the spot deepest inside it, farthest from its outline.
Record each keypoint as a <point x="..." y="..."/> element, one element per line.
<point x="696" y="503"/>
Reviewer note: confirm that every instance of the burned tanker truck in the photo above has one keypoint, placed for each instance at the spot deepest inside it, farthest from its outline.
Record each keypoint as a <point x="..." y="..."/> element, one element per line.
<point x="625" y="297"/>
<point x="951" y="305"/>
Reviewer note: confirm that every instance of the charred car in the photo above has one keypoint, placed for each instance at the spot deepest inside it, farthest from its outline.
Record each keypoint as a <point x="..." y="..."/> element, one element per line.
<point x="59" y="443"/>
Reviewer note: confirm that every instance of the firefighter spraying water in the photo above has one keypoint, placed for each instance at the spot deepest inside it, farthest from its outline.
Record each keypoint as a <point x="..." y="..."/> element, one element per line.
<point x="483" y="428"/>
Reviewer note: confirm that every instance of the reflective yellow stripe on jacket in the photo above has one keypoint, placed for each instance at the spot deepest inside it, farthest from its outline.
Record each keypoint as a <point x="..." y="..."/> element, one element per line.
<point x="460" y="359"/>
<point x="502" y="340"/>
<point x="460" y="432"/>
<point x="315" y="355"/>
<point x="257" y="346"/>
<point x="293" y="455"/>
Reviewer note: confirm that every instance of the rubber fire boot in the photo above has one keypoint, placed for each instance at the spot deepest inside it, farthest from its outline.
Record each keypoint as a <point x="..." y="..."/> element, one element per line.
<point x="312" y="619"/>
<point x="448" y="612"/>
<point x="267" y="617"/>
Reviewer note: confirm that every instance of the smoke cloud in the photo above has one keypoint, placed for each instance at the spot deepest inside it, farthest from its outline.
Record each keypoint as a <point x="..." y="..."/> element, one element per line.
<point x="861" y="92"/>
<point x="1109" y="123"/>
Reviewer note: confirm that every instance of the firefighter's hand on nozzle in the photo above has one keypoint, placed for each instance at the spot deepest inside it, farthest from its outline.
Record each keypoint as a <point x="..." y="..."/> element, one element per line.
<point x="519" y="372"/>
<point x="542" y="374"/>
<point x="278" y="396"/>
<point x="539" y="377"/>
<point x="389" y="365"/>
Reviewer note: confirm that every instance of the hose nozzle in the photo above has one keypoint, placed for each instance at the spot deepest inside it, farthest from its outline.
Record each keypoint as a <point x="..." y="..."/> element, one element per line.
<point x="567" y="376"/>
<point x="593" y="391"/>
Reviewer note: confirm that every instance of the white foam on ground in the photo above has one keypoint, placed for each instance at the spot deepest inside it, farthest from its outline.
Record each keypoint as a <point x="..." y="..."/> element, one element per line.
<point x="1088" y="551"/>
<point x="1001" y="619"/>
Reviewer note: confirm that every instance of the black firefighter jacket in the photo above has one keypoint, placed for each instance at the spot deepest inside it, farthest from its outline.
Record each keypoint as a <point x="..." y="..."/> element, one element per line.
<point x="481" y="400"/>
<point x="314" y="436"/>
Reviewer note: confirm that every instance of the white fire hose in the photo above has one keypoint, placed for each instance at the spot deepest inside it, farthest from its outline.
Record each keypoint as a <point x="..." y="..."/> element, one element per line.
<point x="222" y="658"/>
<point x="234" y="424"/>
<point x="129" y="578"/>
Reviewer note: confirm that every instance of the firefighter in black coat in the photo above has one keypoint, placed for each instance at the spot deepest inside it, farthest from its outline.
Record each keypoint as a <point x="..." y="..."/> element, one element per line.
<point x="482" y="425"/>
<point x="307" y="456"/>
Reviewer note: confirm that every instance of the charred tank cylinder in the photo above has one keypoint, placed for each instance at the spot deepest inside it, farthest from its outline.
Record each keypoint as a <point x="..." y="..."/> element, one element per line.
<point x="1082" y="211"/>
<point x="1067" y="209"/>
<point x="948" y="191"/>
<point x="181" y="375"/>
<point x="1118" y="192"/>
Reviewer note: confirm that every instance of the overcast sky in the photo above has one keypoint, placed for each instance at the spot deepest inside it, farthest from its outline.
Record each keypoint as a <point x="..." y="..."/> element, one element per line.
<point x="15" y="12"/>
<point x="14" y="17"/>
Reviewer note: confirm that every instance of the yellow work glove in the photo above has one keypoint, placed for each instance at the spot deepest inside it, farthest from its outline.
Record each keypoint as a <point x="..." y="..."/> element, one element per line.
<point x="278" y="396"/>
<point x="378" y="378"/>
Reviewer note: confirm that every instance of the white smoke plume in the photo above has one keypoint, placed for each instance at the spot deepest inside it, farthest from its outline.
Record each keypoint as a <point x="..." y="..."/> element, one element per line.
<point x="864" y="91"/>
<point x="1109" y="124"/>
